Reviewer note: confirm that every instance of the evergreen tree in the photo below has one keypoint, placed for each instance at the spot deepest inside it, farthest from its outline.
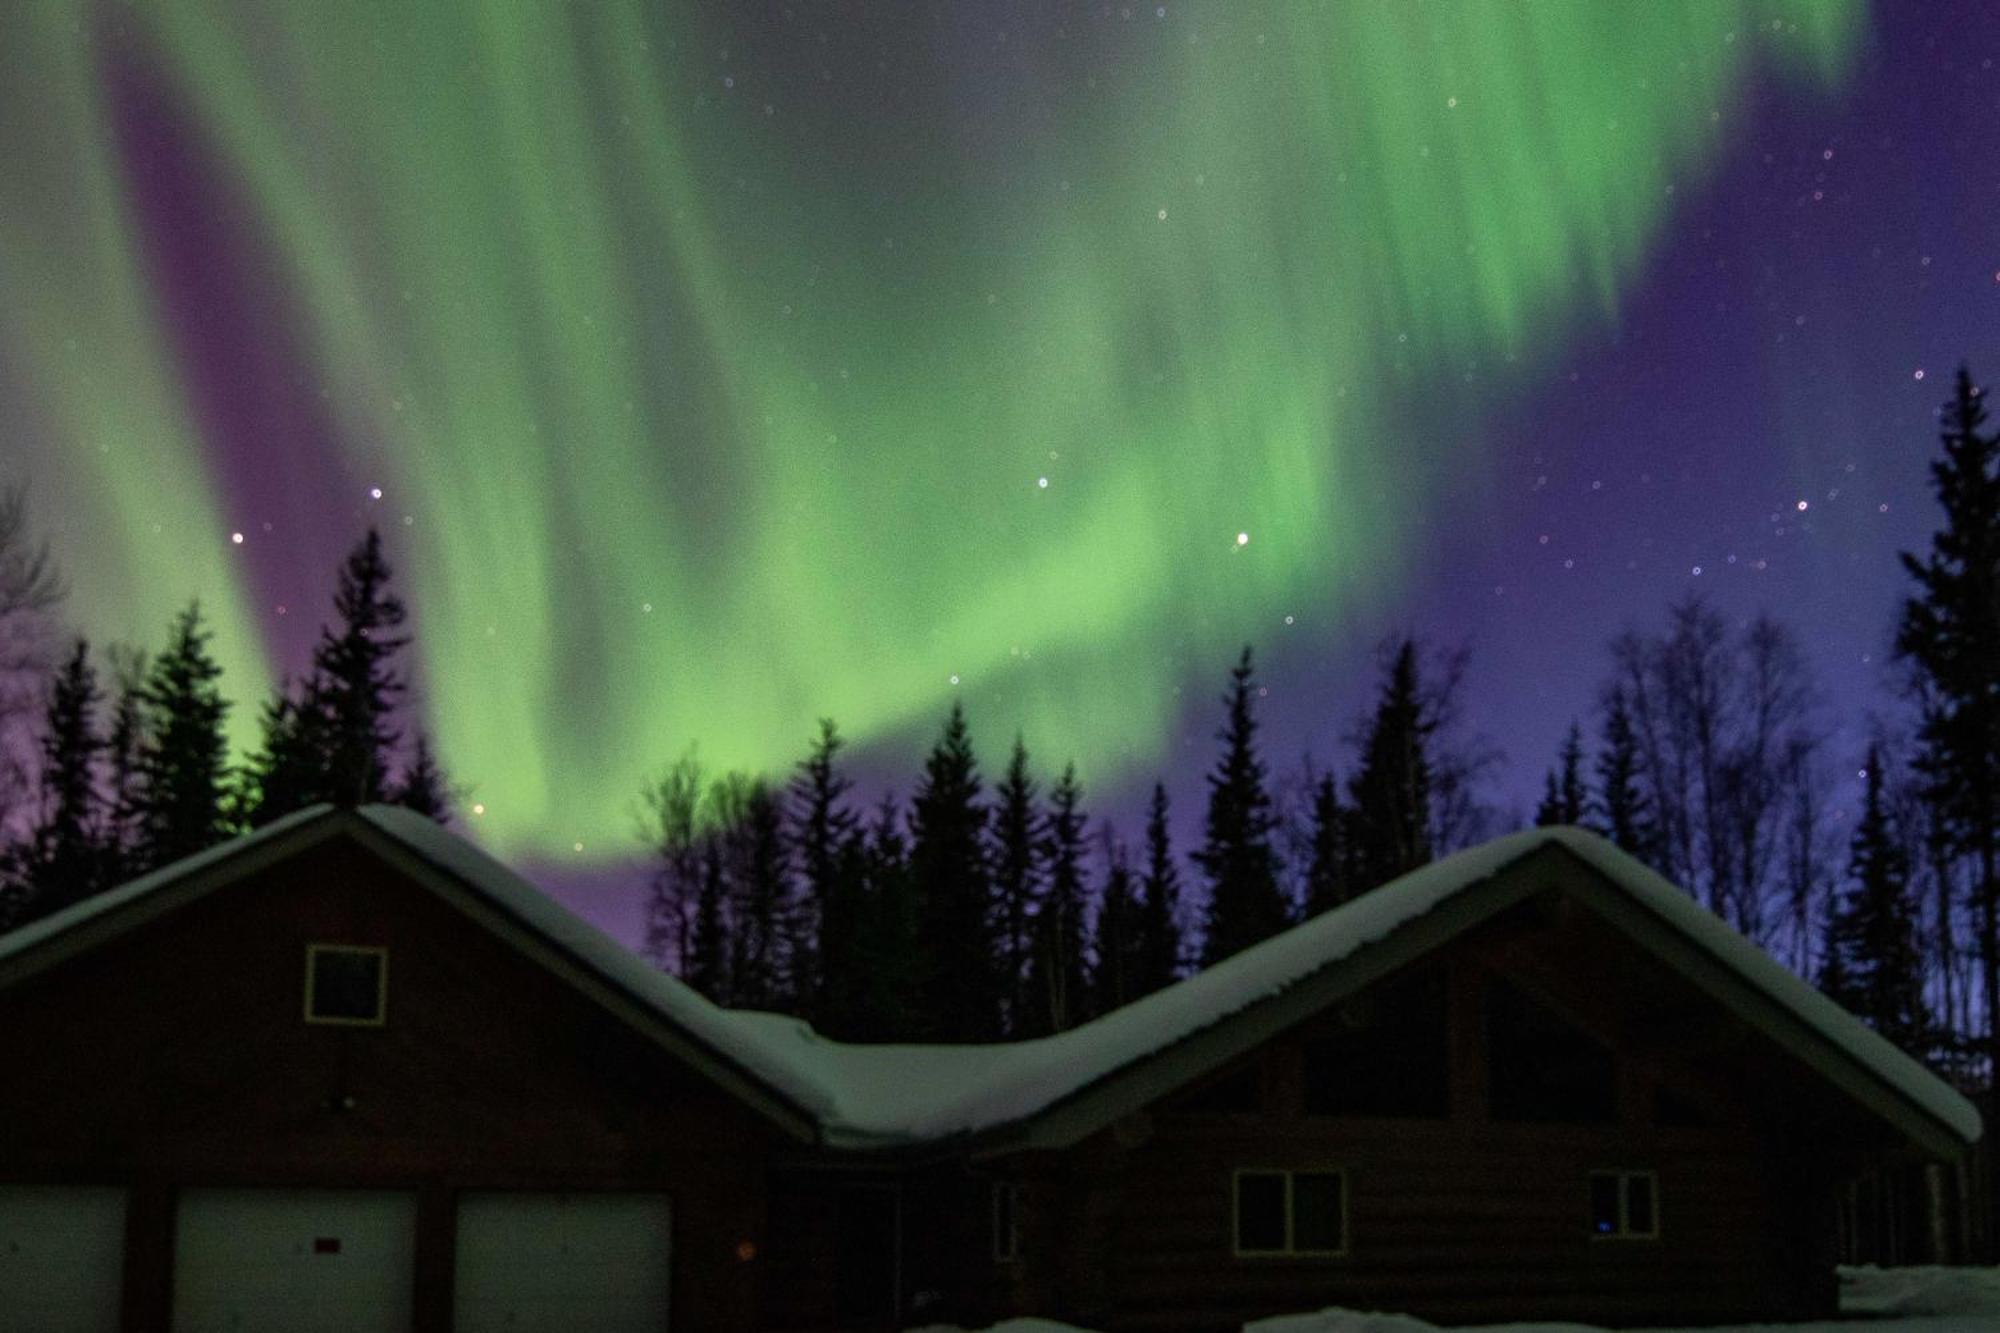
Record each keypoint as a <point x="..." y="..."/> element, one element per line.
<point x="1620" y="797"/>
<point x="1329" y="872"/>
<point x="706" y="967"/>
<point x="1058" y="971"/>
<point x="360" y="684"/>
<point x="1392" y="790"/>
<point x="1017" y="874"/>
<point x="1564" y="799"/>
<point x="64" y="855"/>
<point x="184" y="764"/>
<point x="831" y="884"/>
<point x="1117" y="953"/>
<point x="333" y="740"/>
<point x="288" y="771"/>
<point x="760" y="899"/>
<point x="422" y="787"/>
<point x="121" y="835"/>
<point x="1159" y="929"/>
<point x="960" y="998"/>
<point x="1245" y="904"/>
<point x="1950" y="634"/>
<point x="1874" y="959"/>
<point x="888" y="958"/>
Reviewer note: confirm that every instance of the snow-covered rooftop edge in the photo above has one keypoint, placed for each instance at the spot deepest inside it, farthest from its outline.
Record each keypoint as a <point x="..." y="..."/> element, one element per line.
<point x="886" y="1095"/>
<point x="895" y="1095"/>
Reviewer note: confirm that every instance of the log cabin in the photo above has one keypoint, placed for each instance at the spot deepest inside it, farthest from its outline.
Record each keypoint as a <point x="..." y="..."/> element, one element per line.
<point x="348" y="1072"/>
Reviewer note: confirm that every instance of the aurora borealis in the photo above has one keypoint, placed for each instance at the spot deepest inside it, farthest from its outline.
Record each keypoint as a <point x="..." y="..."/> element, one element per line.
<point x="721" y="367"/>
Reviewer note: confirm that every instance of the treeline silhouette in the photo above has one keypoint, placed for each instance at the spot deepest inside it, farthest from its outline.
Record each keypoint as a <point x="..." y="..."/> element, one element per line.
<point x="971" y="912"/>
<point x="110" y="786"/>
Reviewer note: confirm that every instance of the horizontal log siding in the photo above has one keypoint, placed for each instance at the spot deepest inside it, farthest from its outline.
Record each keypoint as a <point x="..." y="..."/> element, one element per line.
<point x="1443" y="1224"/>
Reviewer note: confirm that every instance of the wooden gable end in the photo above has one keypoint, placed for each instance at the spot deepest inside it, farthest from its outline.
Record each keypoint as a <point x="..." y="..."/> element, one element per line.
<point x="1483" y="1104"/>
<point x="185" y="1039"/>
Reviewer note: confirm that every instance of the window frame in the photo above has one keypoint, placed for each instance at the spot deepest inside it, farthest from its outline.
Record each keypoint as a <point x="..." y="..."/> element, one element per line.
<point x="1006" y="1240"/>
<point x="381" y="1017"/>
<point x="1290" y="1250"/>
<point x="1624" y="1178"/>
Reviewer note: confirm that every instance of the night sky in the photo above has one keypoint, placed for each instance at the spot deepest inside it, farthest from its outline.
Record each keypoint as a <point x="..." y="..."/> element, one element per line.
<point x="715" y="367"/>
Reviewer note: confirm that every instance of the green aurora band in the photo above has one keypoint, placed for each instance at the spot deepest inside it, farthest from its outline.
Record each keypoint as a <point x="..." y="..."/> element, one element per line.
<point x="717" y="405"/>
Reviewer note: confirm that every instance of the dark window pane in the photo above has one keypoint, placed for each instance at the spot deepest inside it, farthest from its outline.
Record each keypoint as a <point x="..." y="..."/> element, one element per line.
<point x="1260" y="1212"/>
<point x="347" y="984"/>
<point x="1604" y="1204"/>
<point x="1387" y="1057"/>
<point x="1639" y="1205"/>
<point x="1540" y="1069"/>
<point x="1316" y="1212"/>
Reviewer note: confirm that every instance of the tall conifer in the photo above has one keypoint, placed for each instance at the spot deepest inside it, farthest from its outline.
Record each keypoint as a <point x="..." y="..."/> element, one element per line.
<point x="1159" y="909"/>
<point x="1874" y="934"/>
<point x="1392" y="789"/>
<point x="830" y="882"/>
<point x="1117" y="946"/>
<point x="1621" y="799"/>
<point x="1329" y="872"/>
<point x="1058" y="971"/>
<point x="1245" y="904"/>
<point x="953" y="887"/>
<point x="1950" y="633"/>
<point x="184" y="765"/>
<point x="65" y="861"/>
<point x="1017" y="876"/>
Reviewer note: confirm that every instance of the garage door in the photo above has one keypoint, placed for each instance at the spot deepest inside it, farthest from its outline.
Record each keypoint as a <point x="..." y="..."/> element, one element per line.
<point x="62" y="1257"/>
<point x="307" y="1261"/>
<point x="594" y="1263"/>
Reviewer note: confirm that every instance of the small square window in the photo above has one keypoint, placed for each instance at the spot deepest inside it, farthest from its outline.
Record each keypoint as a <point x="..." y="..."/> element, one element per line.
<point x="1006" y="1221"/>
<point x="346" y="985"/>
<point x="1623" y="1205"/>
<point x="1291" y="1213"/>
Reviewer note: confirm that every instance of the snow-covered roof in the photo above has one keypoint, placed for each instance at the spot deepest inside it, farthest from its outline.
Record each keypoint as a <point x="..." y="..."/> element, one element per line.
<point x="881" y="1096"/>
<point x="886" y="1095"/>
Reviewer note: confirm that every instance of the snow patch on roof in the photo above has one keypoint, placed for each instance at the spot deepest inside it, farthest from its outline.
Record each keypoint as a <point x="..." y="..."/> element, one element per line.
<point x="889" y="1095"/>
<point x="1861" y="1042"/>
<point x="884" y="1096"/>
<point x="56" y="923"/>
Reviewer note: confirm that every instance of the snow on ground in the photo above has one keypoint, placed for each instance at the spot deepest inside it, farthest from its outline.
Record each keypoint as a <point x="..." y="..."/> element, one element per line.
<point x="1872" y="1300"/>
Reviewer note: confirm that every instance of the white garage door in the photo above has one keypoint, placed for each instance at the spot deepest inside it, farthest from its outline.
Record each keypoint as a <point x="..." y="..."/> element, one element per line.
<point x="62" y="1257"/>
<point x="306" y="1261"/>
<point x="564" y="1263"/>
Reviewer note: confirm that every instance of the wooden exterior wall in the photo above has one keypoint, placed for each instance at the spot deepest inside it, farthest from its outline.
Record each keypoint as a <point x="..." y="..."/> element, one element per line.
<point x="1461" y="1218"/>
<point x="177" y="1056"/>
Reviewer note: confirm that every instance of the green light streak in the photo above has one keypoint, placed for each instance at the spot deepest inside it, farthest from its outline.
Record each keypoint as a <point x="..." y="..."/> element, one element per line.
<point x="619" y="340"/>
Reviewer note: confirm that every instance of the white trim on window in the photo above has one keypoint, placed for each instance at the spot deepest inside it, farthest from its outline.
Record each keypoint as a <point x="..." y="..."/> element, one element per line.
<point x="1624" y="1228"/>
<point x="381" y="1014"/>
<point x="1291" y="1249"/>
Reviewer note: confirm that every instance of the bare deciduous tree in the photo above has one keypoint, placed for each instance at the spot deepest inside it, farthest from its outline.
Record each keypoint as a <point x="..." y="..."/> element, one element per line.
<point x="30" y="588"/>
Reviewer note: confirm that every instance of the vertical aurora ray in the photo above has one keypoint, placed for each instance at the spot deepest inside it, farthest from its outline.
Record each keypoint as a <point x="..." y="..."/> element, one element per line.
<point x="718" y="378"/>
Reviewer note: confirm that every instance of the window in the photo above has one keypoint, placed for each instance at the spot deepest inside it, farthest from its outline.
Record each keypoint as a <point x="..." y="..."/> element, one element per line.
<point x="1624" y="1205"/>
<point x="1540" y="1069"/>
<point x="346" y="985"/>
<point x="1291" y="1212"/>
<point x="1006" y="1221"/>
<point x="1387" y="1056"/>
